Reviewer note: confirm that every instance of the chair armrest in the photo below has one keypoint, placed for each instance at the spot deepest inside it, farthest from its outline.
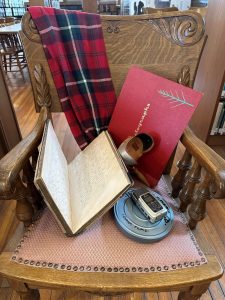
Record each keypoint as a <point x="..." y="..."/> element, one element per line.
<point x="207" y="158"/>
<point x="14" y="161"/>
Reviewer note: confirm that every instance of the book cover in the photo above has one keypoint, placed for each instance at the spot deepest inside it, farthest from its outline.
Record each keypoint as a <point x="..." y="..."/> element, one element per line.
<point x="154" y="105"/>
<point x="80" y="192"/>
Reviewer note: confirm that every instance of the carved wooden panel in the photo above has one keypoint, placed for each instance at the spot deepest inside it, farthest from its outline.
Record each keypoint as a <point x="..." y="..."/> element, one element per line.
<point x="164" y="43"/>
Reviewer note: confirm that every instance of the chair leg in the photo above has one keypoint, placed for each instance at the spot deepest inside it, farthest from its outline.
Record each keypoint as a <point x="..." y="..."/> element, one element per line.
<point x="5" y="63"/>
<point x="194" y="293"/>
<point x="23" y="291"/>
<point x="19" y="65"/>
<point x="10" y="62"/>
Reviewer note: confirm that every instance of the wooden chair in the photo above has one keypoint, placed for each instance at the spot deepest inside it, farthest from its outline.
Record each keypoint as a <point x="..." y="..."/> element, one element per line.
<point x="169" y="45"/>
<point x="11" y="53"/>
<point x="107" y="7"/>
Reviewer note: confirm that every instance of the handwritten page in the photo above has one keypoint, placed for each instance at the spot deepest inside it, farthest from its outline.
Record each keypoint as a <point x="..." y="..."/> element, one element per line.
<point x="96" y="178"/>
<point x="55" y="174"/>
<point x="79" y="192"/>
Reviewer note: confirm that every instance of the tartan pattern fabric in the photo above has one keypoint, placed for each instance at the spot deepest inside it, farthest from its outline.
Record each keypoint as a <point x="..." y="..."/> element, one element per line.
<point x="74" y="47"/>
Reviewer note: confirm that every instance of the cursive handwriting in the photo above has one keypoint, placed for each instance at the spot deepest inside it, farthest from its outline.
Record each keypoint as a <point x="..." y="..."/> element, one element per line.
<point x="145" y="112"/>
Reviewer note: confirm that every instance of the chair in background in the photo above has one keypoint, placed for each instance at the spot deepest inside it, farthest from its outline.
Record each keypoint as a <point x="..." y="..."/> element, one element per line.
<point x="9" y="21"/>
<point x="2" y="22"/>
<point x="11" y="53"/>
<point x="165" y="45"/>
<point x="162" y="4"/>
<point x="107" y="7"/>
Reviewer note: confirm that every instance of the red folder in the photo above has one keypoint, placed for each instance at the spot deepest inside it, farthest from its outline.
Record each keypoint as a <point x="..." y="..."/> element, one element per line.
<point x="152" y="104"/>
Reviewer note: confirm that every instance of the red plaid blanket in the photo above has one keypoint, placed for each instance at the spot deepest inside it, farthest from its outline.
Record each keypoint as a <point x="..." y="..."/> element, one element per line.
<point x="75" y="50"/>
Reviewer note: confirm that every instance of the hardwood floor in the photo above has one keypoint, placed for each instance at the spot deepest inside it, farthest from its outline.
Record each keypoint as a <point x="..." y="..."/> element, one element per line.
<point x="212" y="229"/>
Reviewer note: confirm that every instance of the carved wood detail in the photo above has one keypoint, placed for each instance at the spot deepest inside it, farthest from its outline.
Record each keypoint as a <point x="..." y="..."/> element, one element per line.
<point x="24" y="208"/>
<point x="184" y="76"/>
<point x="185" y="30"/>
<point x="30" y="29"/>
<point x="42" y="87"/>
<point x="113" y="27"/>
<point x="197" y="208"/>
<point x="178" y="180"/>
<point x="187" y="193"/>
<point x="34" y="158"/>
<point x="17" y="174"/>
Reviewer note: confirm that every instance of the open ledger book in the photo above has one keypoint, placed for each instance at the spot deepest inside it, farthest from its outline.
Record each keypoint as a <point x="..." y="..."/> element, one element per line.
<point x="80" y="192"/>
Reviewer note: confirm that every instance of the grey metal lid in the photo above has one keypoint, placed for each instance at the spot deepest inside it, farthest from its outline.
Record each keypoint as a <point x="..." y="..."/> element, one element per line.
<point x="135" y="225"/>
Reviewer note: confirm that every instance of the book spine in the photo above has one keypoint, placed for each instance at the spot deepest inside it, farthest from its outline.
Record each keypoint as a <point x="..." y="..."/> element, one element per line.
<point x="223" y="125"/>
<point x="219" y="124"/>
<point x="218" y="112"/>
<point x="222" y="120"/>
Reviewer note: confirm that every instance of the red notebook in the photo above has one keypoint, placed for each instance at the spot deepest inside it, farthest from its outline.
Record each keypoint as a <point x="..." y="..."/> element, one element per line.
<point x="152" y="104"/>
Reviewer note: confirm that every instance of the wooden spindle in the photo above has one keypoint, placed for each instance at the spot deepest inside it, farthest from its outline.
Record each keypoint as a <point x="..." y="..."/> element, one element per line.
<point x="178" y="180"/>
<point x="187" y="193"/>
<point x="32" y="194"/>
<point x="24" y="209"/>
<point x="197" y="209"/>
<point x="34" y="158"/>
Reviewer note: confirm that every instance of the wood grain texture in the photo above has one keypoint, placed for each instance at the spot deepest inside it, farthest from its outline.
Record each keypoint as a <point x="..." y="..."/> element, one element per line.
<point x="214" y="164"/>
<point x="178" y="180"/>
<point x="7" y="211"/>
<point x="121" y="56"/>
<point x="206" y="232"/>
<point x="187" y="194"/>
<point x="111" y="283"/>
<point x="180" y="34"/>
<point x="13" y="162"/>
<point x="211" y="72"/>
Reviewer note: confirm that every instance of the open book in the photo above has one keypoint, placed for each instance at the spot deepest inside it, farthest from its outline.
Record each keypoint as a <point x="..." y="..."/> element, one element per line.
<point x="83" y="190"/>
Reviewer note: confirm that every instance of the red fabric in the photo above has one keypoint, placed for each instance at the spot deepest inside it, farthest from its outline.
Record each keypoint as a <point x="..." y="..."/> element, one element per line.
<point x="74" y="47"/>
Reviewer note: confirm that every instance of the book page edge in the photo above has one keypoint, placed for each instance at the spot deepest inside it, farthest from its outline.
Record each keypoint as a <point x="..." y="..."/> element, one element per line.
<point x="102" y="211"/>
<point x="39" y="184"/>
<point x="52" y="206"/>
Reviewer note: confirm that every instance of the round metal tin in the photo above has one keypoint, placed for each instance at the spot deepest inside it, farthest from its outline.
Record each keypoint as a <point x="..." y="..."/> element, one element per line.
<point x="135" y="225"/>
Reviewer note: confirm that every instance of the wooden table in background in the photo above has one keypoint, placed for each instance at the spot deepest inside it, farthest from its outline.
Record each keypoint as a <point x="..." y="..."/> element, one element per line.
<point x="15" y="28"/>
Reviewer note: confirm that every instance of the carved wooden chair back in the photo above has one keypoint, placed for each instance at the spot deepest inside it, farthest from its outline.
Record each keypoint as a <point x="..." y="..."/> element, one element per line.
<point x="168" y="45"/>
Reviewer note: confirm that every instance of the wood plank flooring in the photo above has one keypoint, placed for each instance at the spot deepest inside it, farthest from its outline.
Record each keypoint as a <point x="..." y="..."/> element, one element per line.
<point x="212" y="229"/>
